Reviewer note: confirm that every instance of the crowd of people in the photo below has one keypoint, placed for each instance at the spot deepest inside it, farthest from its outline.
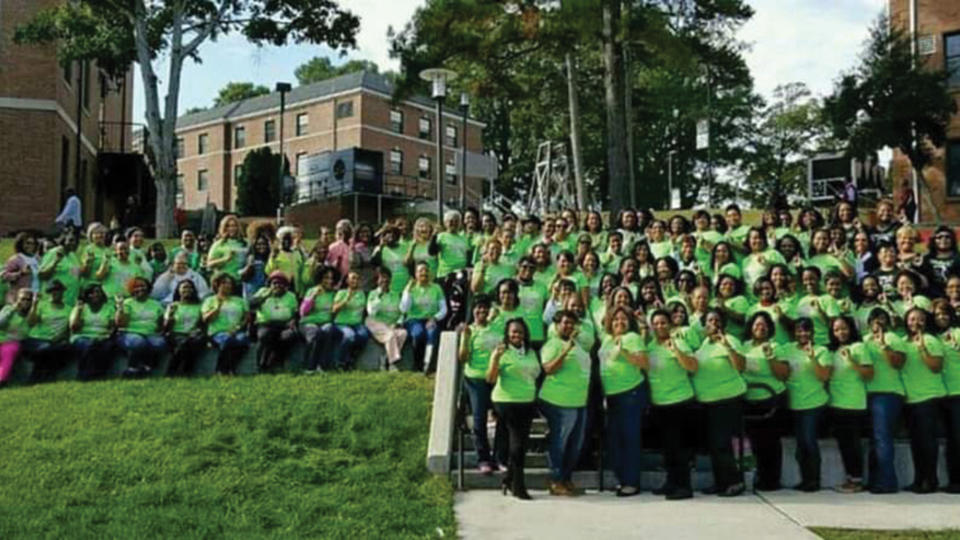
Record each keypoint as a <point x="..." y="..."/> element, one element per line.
<point x="799" y="323"/>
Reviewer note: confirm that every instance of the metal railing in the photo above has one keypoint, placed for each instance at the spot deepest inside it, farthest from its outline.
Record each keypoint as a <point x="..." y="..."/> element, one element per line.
<point x="121" y="137"/>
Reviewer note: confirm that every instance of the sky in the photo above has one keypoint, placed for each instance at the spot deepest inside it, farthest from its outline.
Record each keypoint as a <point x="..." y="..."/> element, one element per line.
<point x="790" y="40"/>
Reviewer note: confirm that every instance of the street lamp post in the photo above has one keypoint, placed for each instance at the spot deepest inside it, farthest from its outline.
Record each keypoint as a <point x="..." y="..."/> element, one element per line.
<point x="439" y="77"/>
<point x="283" y="88"/>
<point x="670" y="178"/>
<point x="465" y="109"/>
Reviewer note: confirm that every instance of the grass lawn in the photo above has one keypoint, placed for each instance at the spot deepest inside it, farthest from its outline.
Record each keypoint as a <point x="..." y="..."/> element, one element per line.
<point x="849" y="534"/>
<point x="338" y="456"/>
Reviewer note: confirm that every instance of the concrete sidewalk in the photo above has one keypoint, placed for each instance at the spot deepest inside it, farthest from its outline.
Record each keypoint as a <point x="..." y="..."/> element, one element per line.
<point x="783" y="515"/>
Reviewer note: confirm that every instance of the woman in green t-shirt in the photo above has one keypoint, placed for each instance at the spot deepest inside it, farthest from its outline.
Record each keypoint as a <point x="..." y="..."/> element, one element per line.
<point x="13" y="329"/>
<point x="316" y="319"/>
<point x="117" y="269"/>
<point x="351" y="335"/>
<point x="764" y="375"/>
<point x="276" y="308"/>
<point x="621" y="372"/>
<point x="229" y="251"/>
<point x="758" y="262"/>
<point x="815" y="306"/>
<point x="94" y="252"/>
<point x="563" y="400"/>
<point x="384" y="319"/>
<point x="490" y="270"/>
<point x="669" y="363"/>
<point x="477" y="341"/>
<point x="182" y="324"/>
<point x="925" y="391"/>
<point x="226" y="316"/>
<point x="507" y="306"/>
<point x="722" y="262"/>
<point x="139" y="323"/>
<point x="424" y="306"/>
<point x="731" y="302"/>
<point x="852" y="369"/>
<point x="945" y="321"/>
<point x="48" y="340"/>
<point x="91" y="327"/>
<point x="514" y="370"/>
<point x="419" y="250"/>
<point x="63" y="264"/>
<point x="720" y="388"/>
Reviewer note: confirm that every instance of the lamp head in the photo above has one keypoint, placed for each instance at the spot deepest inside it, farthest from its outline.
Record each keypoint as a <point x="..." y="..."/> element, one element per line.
<point x="439" y="77"/>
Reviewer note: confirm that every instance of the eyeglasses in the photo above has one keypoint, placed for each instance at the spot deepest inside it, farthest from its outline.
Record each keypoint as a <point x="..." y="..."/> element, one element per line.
<point x="943" y="236"/>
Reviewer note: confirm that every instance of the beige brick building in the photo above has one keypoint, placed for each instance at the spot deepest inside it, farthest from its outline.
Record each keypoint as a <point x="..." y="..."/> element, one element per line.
<point x="351" y="111"/>
<point x="41" y="104"/>
<point x="937" y="31"/>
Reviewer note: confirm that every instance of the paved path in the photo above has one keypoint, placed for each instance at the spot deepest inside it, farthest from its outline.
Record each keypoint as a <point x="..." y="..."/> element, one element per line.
<point x="784" y="515"/>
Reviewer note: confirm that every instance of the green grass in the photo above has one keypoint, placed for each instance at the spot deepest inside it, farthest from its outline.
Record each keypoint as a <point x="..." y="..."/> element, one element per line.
<point x="339" y="456"/>
<point x="850" y="534"/>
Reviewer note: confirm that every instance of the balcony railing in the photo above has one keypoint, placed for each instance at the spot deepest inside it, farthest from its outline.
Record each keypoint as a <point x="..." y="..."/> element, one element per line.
<point x="122" y="137"/>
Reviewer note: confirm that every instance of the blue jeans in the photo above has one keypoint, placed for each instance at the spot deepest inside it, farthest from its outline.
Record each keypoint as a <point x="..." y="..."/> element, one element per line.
<point x="884" y="415"/>
<point x="142" y="351"/>
<point x="478" y="392"/>
<point x="351" y="340"/>
<point x="94" y="357"/>
<point x="421" y="336"/>
<point x="567" y="431"/>
<point x="231" y="347"/>
<point x="318" y="338"/>
<point x="806" y="428"/>
<point x="624" y="426"/>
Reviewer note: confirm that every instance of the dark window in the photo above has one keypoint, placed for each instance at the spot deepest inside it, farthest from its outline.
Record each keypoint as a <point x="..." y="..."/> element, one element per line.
<point x="451" y="173"/>
<point x="345" y="109"/>
<point x="450" y="138"/>
<point x="952" y="51"/>
<point x="303" y="124"/>
<point x="396" y="121"/>
<point x="180" y="149"/>
<point x="953" y="168"/>
<point x="269" y="131"/>
<point x="180" y="198"/>
<point x="239" y="137"/>
<point x="426" y="128"/>
<point x="202" y="180"/>
<point x="203" y="141"/>
<point x="424" y="167"/>
<point x="396" y="162"/>
<point x="64" y="162"/>
<point x="237" y="173"/>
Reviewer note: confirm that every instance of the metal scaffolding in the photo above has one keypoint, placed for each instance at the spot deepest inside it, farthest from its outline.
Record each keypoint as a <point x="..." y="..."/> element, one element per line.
<point x="552" y="188"/>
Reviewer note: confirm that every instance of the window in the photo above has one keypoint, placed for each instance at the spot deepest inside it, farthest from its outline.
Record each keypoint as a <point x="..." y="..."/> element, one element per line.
<point x="396" y="121"/>
<point x="202" y="180"/>
<point x="180" y="197"/>
<point x="952" y="50"/>
<point x="450" y="136"/>
<point x="303" y="124"/>
<point x="424" y="167"/>
<point x="180" y="149"/>
<point x="396" y="162"/>
<point x="953" y="168"/>
<point x="345" y="109"/>
<point x="426" y="128"/>
<point x="302" y="163"/>
<point x="239" y="137"/>
<point x="203" y="142"/>
<point x="269" y="131"/>
<point x="237" y="173"/>
<point x="451" y="173"/>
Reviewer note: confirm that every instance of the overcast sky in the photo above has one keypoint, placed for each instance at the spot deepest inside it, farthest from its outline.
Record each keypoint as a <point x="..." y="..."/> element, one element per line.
<point x="791" y="40"/>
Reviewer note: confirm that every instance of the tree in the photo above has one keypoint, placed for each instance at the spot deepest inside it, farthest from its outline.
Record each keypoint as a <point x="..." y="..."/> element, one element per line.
<point x="889" y="100"/>
<point x="258" y="188"/>
<point x="116" y="33"/>
<point x="238" y="91"/>
<point x="320" y="68"/>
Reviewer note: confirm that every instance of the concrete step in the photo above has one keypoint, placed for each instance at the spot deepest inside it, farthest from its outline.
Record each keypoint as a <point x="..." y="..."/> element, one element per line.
<point x="539" y="478"/>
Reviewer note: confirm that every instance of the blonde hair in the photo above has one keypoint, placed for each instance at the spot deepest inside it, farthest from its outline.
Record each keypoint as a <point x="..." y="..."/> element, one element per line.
<point x="906" y="231"/>
<point x="222" y="229"/>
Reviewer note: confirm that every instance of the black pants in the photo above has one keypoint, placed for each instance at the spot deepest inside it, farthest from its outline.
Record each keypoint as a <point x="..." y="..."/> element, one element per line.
<point x="847" y="428"/>
<point x="275" y="343"/>
<point x="952" y="406"/>
<point x="724" y="420"/>
<point x="675" y="421"/>
<point x="922" y="422"/>
<point x="517" y="418"/>
<point x="765" y="434"/>
<point x="185" y="351"/>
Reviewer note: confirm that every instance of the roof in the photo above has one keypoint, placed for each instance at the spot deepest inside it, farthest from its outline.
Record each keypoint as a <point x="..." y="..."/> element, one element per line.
<point x="355" y="80"/>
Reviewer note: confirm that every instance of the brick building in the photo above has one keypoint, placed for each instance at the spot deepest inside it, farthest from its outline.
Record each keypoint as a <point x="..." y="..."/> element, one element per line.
<point x="350" y="111"/>
<point x="41" y="104"/>
<point x="936" y="27"/>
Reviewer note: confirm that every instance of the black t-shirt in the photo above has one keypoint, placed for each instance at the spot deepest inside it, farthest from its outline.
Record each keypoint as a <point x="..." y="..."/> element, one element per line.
<point x="937" y="270"/>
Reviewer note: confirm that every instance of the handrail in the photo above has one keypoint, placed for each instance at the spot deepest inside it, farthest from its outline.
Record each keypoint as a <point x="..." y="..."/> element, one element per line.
<point x="443" y="416"/>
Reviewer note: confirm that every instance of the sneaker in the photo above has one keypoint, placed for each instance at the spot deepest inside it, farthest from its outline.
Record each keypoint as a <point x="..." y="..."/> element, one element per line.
<point x="559" y="489"/>
<point x="850" y="486"/>
<point x="574" y="490"/>
<point x="501" y="468"/>
<point x="485" y="468"/>
<point x="733" y="491"/>
<point x="679" y="494"/>
<point x="627" y="491"/>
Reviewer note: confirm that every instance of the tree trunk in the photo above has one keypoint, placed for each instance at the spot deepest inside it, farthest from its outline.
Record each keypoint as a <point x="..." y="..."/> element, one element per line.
<point x="628" y="128"/>
<point x="617" y="157"/>
<point x="928" y="195"/>
<point x="575" y="147"/>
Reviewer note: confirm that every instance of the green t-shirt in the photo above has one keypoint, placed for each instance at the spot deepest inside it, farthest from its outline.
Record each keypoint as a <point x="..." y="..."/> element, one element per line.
<point x="804" y="389"/>
<point x="453" y="253"/>
<point x="586" y="333"/>
<point x="847" y="388"/>
<point x="237" y="251"/>
<point x="421" y="253"/>
<point x="805" y="308"/>
<point x="738" y="236"/>
<point x="493" y="274"/>
<point x="756" y="265"/>
<point x="54" y="323"/>
<point x="533" y="298"/>
<point x="392" y="258"/>
<point x="517" y="381"/>
<point x="568" y="386"/>
<point x="142" y="317"/>
<point x="757" y="370"/>
<point x="902" y="307"/>
<point x="352" y="313"/>
<point x="186" y="319"/>
<point x="290" y="263"/>
<point x="598" y="241"/>
<point x="483" y="340"/>
<point x="277" y="309"/>
<point x="617" y="374"/>
<point x="193" y="257"/>
<point x="826" y="263"/>
<point x="705" y="242"/>
<point x="115" y="284"/>
<point x="920" y="383"/>
<point x="545" y="277"/>
<point x="716" y="379"/>
<point x="886" y="379"/>
<point x="951" y="360"/>
<point x="737" y="304"/>
<point x="661" y="249"/>
<point x="384" y="306"/>
<point x="425" y="301"/>
<point x="500" y="315"/>
<point x="95" y="325"/>
<point x="669" y="382"/>
<point x="95" y="254"/>
<point x="862" y="316"/>
<point x="67" y="272"/>
<point x="16" y="327"/>
<point x="322" y="308"/>
<point x="230" y="318"/>
<point x="780" y="333"/>
<point x="611" y="262"/>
